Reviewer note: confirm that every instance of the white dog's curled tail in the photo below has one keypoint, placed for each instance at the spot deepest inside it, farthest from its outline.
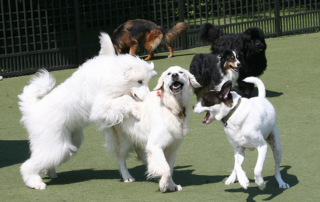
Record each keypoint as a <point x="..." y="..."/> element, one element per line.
<point x="106" y="45"/>
<point x="40" y="85"/>
<point x="259" y="84"/>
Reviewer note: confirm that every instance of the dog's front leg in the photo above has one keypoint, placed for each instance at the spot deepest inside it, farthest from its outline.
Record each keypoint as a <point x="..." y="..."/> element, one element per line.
<point x="108" y="112"/>
<point x="262" y="153"/>
<point x="158" y="166"/>
<point x="241" y="175"/>
<point x="238" y="159"/>
<point x="170" y="154"/>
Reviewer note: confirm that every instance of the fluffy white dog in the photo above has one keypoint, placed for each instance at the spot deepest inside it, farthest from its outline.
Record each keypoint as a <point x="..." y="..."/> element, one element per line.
<point x="248" y="123"/>
<point x="159" y="132"/>
<point x="55" y="118"/>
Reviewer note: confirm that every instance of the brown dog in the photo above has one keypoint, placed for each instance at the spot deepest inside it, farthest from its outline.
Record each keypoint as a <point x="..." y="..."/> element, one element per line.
<point x="129" y="35"/>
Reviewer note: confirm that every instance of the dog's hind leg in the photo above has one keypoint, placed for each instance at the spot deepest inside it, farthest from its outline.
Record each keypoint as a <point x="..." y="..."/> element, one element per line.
<point x="262" y="153"/>
<point x="120" y="146"/>
<point x="51" y="173"/>
<point x="170" y="48"/>
<point x="133" y="47"/>
<point x="45" y="158"/>
<point x="141" y="154"/>
<point x="77" y="138"/>
<point x="238" y="158"/>
<point x="153" y="40"/>
<point x="274" y="141"/>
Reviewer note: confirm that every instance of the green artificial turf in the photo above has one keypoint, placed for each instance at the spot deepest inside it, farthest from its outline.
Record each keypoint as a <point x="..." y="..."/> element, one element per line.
<point x="205" y="158"/>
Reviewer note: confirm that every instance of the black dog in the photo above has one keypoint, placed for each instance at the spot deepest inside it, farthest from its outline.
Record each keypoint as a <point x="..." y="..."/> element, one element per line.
<point x="211" y="70"/>
<point x="250" y="43"/>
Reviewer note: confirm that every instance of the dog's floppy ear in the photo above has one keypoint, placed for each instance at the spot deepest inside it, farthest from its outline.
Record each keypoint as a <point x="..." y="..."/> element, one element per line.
<point x="225" y="90"/>
<point x="193" y="80"/>
<point x="160" y="81"/>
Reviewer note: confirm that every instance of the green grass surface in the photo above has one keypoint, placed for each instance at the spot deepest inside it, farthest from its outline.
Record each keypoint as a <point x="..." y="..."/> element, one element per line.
<point x="205" y="158"/>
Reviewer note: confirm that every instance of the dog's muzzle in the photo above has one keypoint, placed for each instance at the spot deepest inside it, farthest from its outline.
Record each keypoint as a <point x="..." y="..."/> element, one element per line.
<point x="176" y="86"/>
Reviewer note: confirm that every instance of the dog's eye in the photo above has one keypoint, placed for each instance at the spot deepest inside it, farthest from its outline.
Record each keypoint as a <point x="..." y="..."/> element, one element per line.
<point x="169" y="73"/>
<point x="140" y="81"/>
<point x="181" y="72"/>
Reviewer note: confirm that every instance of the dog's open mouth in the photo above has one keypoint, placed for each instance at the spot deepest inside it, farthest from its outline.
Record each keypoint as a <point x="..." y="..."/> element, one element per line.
<point x="206" y="118"/>
<point x="236" y="69"/>
<point x="136" y="98"/>
<point x="176" y="87"/>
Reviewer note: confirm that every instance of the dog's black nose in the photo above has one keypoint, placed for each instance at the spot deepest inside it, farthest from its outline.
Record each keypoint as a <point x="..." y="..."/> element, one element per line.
<point x="238" y="64"/>
<point x="193" y="107"/>
<point x="175" y="76"/>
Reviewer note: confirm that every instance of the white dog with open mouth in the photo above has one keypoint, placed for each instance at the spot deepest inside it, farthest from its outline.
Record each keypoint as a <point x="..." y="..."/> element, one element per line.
<point x="160" y="130"/>
<point x="55" y="118"/>
<point x="248" y="123"/>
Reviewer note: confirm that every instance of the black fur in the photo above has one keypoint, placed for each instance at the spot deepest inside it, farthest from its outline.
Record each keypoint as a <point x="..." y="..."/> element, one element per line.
<point x="250" y="43"/>
<point x="207" y="69"/>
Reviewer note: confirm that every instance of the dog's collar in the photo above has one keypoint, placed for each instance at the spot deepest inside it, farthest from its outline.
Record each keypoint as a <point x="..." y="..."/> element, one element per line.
<point x="226" y="118"/>
<point x="182" y="113"/>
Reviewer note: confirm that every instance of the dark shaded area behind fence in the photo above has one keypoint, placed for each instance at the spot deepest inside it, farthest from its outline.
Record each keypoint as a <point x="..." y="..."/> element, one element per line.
<point x="60" y="34"/>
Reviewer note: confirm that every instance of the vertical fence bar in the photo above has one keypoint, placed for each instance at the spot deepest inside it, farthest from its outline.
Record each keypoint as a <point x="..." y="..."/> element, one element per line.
<point x="77" y="31"/>
<point x="277" y="16"/>
<point x="181" y="19"/>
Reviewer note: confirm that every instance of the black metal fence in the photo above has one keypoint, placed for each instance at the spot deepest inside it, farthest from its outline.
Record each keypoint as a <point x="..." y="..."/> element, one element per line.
<point x="60" y="34"/>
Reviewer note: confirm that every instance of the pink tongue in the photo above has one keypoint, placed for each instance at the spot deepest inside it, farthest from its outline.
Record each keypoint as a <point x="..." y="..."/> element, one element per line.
<point x="176" y="85"/>
<point x="206" y="118"/>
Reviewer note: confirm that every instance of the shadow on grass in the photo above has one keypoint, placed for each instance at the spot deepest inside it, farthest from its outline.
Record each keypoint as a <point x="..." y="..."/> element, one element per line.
<point x="180" y="176"/>
<point x="272" y="188"/>
<point x="13" y="152"/>
<point x="269" y="93"/>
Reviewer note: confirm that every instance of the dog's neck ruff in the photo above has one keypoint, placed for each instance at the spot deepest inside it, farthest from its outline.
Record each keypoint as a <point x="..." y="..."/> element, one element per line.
<point x="226" y="118"/>
<point x="181" y="114"/>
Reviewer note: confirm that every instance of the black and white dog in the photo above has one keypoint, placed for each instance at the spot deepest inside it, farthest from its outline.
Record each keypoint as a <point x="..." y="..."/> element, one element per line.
<point x="211" y="70"/>
<point x="251" y="43"/>
<point x="248" y="123"/>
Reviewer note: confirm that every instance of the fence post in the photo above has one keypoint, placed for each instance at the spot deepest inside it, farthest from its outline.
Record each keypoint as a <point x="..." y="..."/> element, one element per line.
<point x="278" y="17"/>
<point x="181" y="19"/>
<point x="77" y="32"/>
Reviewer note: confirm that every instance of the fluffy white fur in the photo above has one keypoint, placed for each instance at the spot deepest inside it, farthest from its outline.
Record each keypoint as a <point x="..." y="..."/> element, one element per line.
<point x="160" y="130"/>
<point x="55" y="118"/>
<point x="250" y="126"/>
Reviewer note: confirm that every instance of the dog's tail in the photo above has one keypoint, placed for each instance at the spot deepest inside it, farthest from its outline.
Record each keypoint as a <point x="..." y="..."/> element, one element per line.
<point x="259" y="84"/>
<point x="106" y="45"/>
<point x="39" y="86"/>
<point x="209" y="33"/>
<point x="176" y="31"/>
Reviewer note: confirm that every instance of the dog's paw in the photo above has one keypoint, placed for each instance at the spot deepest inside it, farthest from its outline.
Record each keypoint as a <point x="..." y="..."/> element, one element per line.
<point x="243" y="180"/>
<point x="163" y="185"/>
<point x="262" y="185"/>
<point x="40" y="186"/>
<point x="136" y="112"/>
<point x="231" y="179"/>
<point x="284" y="186"/>
<point x="260" y="182"/>
<point x="130" y="179"/>
<point x="176" y="188"/>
